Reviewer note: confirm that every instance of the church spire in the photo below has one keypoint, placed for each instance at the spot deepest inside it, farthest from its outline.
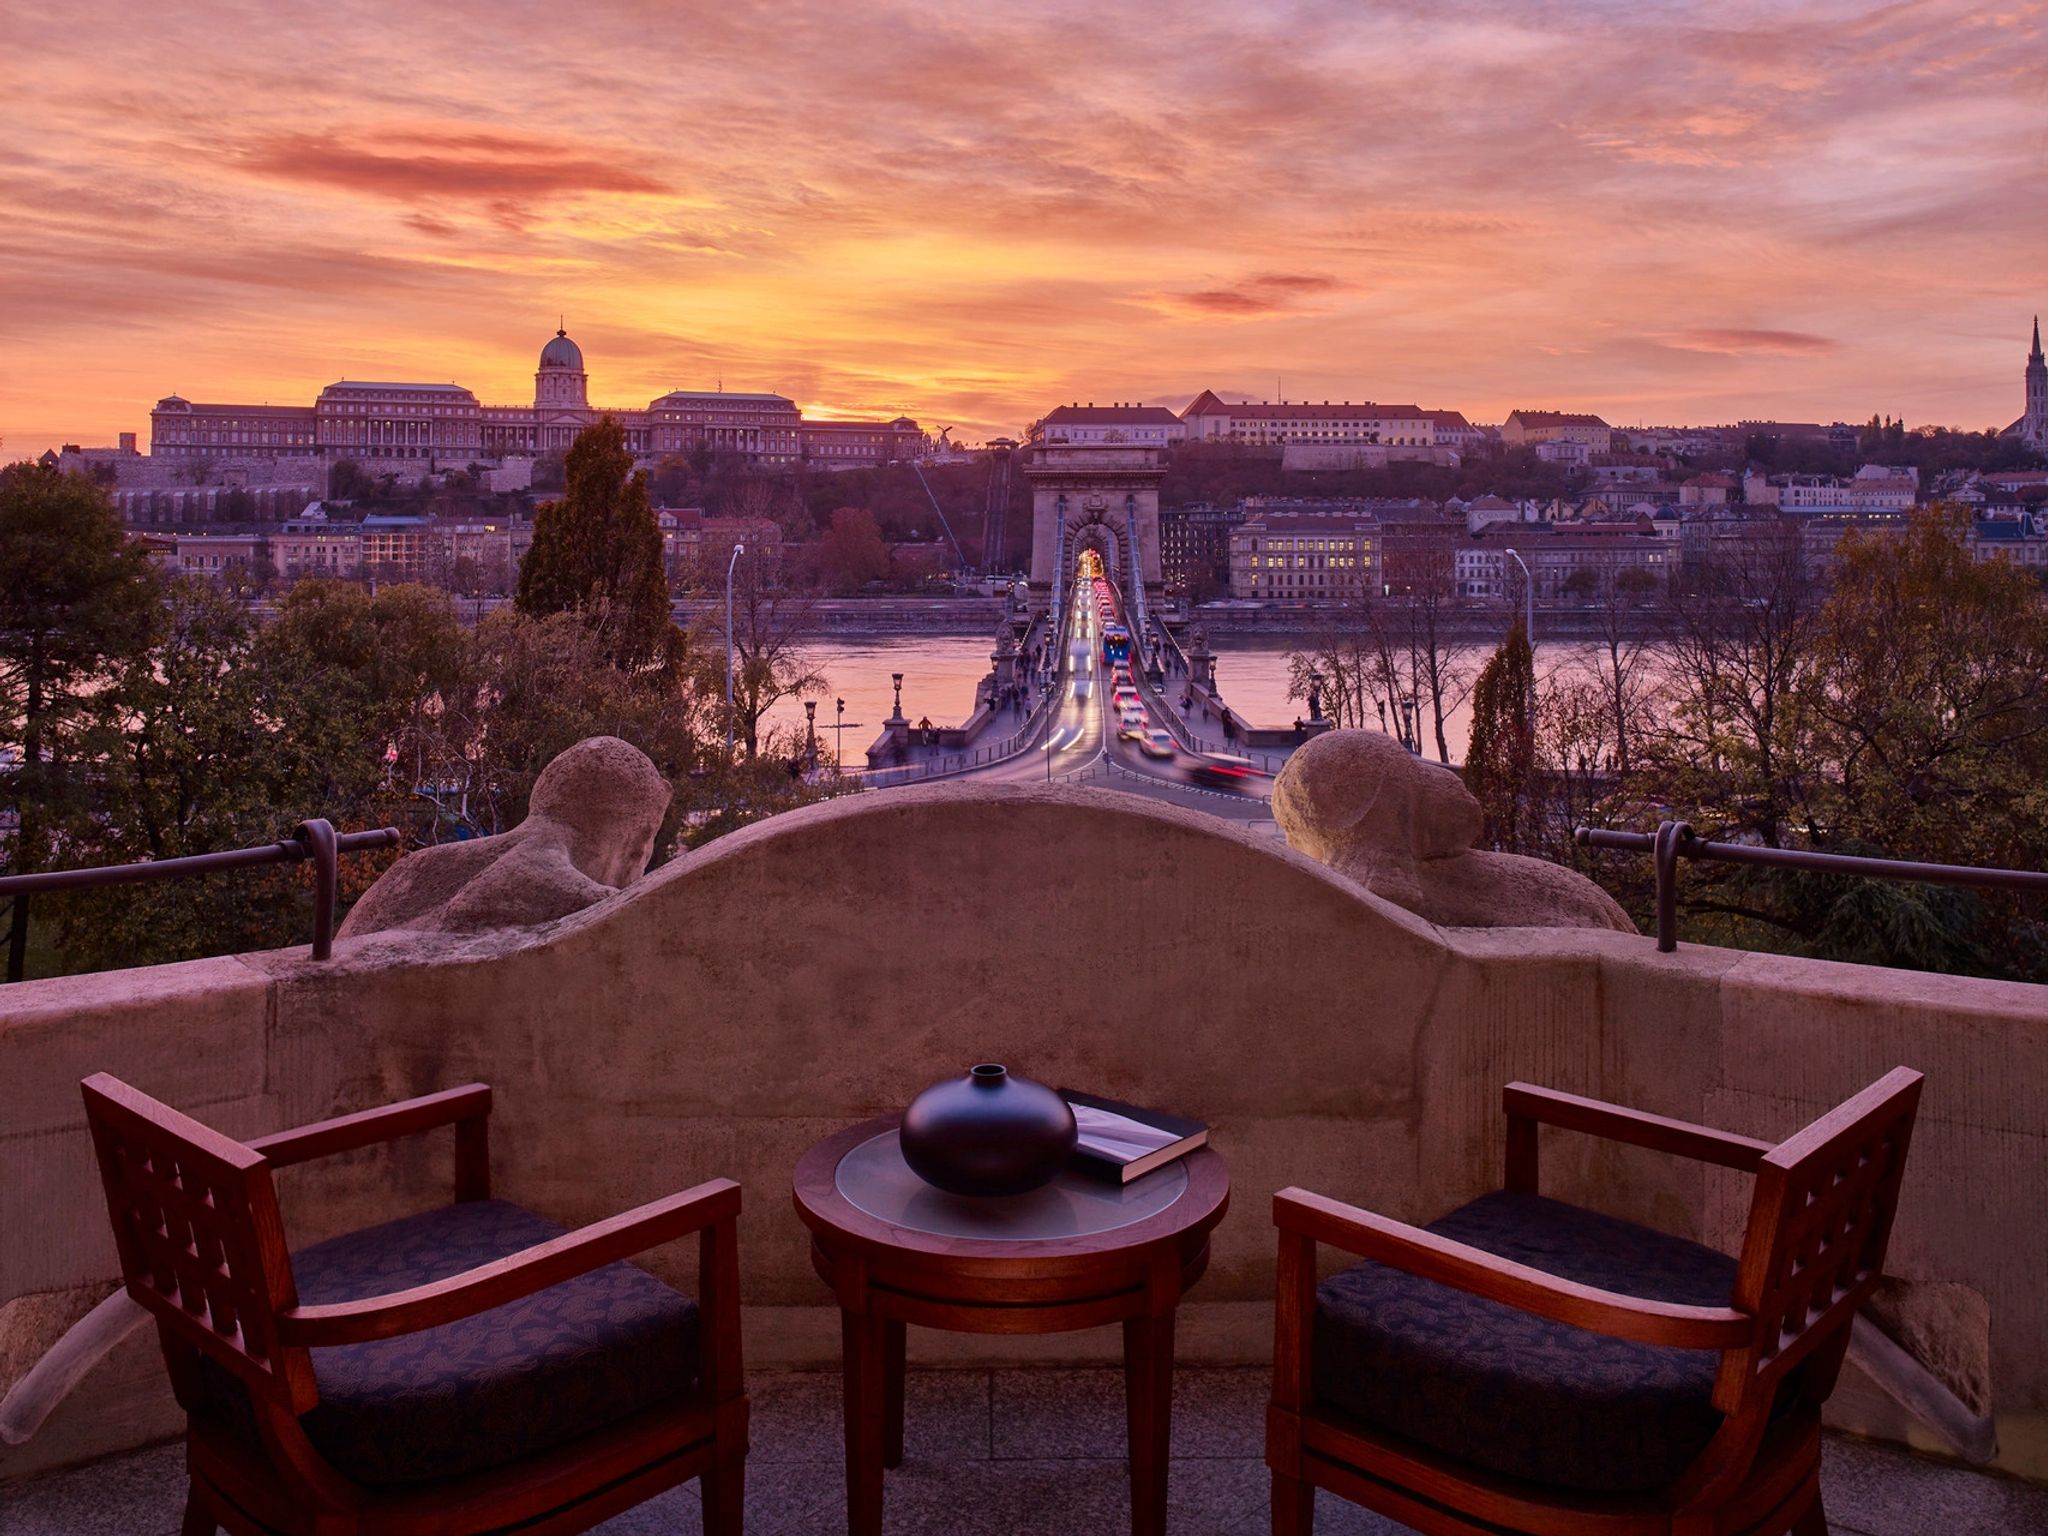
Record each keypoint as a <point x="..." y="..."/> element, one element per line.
<point x="2035" y="355"/>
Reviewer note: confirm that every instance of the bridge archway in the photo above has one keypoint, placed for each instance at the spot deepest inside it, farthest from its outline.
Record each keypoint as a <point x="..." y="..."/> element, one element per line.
<point x="1098" y="536"/>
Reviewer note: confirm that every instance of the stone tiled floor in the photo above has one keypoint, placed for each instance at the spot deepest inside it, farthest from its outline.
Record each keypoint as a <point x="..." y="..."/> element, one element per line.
<point x="991" y="1452"/>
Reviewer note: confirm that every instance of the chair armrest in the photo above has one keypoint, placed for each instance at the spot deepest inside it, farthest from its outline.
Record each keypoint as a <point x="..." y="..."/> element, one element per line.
<point x="1527" y="1102"/>
<point x="387" y="1123"/>
<point x="1474" y="1270"/>
<point x="516" y="1275"/>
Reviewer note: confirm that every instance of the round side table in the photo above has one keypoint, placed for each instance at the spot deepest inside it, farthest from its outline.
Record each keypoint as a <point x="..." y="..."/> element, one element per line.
<point x="1077" y="1254"/>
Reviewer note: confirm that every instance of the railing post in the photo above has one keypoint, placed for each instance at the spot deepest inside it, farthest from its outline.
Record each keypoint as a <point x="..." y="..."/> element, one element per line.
<point x="1664" y="858"/>
<point x="317" y="838"/>
<point x="17" y="938"/>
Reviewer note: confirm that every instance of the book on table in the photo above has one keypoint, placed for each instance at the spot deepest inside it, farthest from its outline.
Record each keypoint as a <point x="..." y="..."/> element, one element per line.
<point x="1124" y="1142"/>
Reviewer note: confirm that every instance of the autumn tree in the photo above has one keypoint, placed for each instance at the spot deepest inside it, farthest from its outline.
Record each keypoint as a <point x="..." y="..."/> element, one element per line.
<point x="852" y="553"/>
<point x="1502" y="756"/>
<point x="1735" y="743"/>
<point x="770" y="625"/>
<point x="597" y="551"/>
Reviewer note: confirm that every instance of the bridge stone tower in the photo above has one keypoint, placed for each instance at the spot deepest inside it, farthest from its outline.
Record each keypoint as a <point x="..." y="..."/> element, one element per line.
<point x="1101" y="496"/>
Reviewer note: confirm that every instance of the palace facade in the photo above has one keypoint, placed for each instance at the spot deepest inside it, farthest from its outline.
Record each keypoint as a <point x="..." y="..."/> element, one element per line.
<point x="427" y="427"/>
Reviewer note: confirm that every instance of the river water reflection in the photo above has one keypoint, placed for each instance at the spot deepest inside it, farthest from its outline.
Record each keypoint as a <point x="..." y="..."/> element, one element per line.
<point x="940" y="673"/>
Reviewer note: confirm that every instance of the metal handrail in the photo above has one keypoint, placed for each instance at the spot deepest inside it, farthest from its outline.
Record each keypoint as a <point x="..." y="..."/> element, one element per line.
<point x="316" y="840"/>
<point x="1675" y="840"/>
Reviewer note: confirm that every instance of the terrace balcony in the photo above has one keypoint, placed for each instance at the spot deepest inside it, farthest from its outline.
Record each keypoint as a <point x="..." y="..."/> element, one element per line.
<point x="722" y="1013"/>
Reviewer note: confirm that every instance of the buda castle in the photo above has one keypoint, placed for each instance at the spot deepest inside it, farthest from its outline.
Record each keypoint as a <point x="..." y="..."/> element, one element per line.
<point x="424" y="428"/>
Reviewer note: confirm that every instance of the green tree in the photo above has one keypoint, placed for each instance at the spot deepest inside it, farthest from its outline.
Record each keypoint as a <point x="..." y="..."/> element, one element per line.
<point x="1502" y="754"/>
<point x="597" y="551"/>
<point x="180" y="764"/>
<point x="347" y="481"/>
<point x="76" y="603"/>
<point x="542" y="685"/>
<point x="360" y="688"/>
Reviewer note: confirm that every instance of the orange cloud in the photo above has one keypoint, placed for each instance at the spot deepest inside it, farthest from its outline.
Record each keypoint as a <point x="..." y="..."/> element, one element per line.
<point x="1684" y="212"/>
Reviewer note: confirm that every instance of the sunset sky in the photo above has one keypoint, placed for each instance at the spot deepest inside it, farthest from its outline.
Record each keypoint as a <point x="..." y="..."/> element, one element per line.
<point x="1660" y="210"/>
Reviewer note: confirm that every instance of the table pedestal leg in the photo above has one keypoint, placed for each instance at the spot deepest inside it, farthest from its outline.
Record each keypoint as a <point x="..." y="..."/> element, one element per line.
<point x="1148" y="1400"/>
<point x="866" y="1367"/>
<point x="892" y="1393"/>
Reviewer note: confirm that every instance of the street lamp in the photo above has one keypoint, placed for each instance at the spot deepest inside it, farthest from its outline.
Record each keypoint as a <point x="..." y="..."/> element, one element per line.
<point x="1315" y="694"/>
<point x="1409" y="738"/>
<point x="811" y="732"/>
<point x="737" y="551"/>
<point x="897" y="679"/>
<point x="1528" y="598"/>
<point x="839" y="736"/>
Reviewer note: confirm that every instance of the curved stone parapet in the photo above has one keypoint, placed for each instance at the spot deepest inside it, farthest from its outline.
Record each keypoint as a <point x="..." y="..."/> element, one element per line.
<point x="720" y="1014"/>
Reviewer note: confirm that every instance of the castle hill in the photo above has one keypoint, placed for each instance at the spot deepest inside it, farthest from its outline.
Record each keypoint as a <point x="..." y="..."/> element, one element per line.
<point x="1134" y="769"/>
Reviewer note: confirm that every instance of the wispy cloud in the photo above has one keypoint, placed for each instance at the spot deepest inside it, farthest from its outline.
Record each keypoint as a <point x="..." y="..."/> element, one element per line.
<point x="1739" y="341"/>
<point x="1802" y="207"/>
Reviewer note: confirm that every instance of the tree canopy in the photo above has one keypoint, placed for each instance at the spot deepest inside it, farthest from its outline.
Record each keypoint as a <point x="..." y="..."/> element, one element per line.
<point x="598" y="552"/>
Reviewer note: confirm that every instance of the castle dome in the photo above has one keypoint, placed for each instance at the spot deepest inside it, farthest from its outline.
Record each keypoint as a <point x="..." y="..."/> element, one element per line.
<point x="561" y="352"/>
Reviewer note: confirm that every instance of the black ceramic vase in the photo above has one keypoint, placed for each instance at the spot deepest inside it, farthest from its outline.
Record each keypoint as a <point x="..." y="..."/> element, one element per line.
<point x="987" y="1133"/>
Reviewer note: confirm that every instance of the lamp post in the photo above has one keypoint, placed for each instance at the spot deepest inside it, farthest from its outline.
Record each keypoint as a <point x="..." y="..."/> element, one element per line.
<point x="1529" y="626"/>
<point x="1408" y="736"/>
<point x="737" y="551"/>
<point x="839" y="736"/>
<point x="1315" y="694"/>
<point x="811" y="732"/>
<point x="897" y="679"/>
<point x="1528" y="598"/>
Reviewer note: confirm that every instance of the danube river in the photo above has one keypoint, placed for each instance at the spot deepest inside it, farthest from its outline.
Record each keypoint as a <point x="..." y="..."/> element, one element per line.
<point x="940" y="672"/>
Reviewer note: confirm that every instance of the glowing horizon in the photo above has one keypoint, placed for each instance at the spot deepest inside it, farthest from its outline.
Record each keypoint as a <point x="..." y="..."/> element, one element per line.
<point x="1665" y="213"/>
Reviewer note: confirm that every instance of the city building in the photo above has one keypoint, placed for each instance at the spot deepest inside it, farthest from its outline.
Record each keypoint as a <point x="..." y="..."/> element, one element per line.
<point x="1884" y="487"/>
<point x="416" y="428"/>
<point x="1194" y="548"/>
<point x="2021" y="540"/>
<point x="1291" y="557"/>
<point x="1709" y="490"/>
<point x="220" y="554"/>
<point x="397" y="547"/>
<point x="698" y="548"/>
<point x="861" y="444"/>
<point x="1525" y="429"/>
<point x="1122" y="422"/>
<point x="1210" y="418"/>
<point x="317" y="545"/>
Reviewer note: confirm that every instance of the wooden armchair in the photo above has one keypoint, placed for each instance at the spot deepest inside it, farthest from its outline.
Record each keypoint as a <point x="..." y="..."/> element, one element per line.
<point x="1524" y="1365"/>
<point x="469" y="1369"/>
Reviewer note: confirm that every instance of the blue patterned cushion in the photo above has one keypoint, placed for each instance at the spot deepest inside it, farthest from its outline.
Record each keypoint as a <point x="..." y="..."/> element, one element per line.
<point x="521" y="1379"/>
<point x="1497" y="1388"/>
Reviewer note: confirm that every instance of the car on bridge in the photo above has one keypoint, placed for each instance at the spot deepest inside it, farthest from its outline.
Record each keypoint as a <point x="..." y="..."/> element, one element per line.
<point x="1232" y="775"/>
<point x="1157" y="743"/>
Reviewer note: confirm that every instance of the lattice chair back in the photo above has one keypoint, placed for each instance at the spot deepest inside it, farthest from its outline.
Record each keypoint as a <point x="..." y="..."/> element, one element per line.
<point x="1819" y="1224"/>
<point x="201" y="1244"/>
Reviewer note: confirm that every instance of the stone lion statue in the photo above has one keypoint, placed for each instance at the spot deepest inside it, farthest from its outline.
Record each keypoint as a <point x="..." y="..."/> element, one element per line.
<point x="1403" y="828"/>
<point x="589" y="830"/>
